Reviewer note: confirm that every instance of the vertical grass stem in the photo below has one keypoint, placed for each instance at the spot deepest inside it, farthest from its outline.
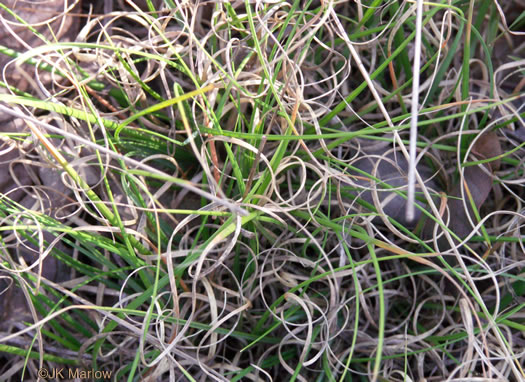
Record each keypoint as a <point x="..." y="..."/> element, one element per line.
<point x="414" y="115"/>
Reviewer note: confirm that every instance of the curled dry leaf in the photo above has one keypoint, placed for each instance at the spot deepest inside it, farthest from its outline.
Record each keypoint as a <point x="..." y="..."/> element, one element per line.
<point x="478" y="181"/>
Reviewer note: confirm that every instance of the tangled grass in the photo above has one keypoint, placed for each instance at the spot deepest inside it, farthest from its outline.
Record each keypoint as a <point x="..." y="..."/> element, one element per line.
<point x="217" y="191"/>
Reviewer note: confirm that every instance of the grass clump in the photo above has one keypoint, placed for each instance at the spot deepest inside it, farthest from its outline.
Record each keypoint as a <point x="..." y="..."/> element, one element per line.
<point x="218" y="191"/>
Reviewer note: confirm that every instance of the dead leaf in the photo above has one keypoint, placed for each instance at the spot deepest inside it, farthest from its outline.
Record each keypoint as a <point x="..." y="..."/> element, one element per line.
<point x="479" y="184"/>
<point x="392" y="170"/>
<point x="488" y="146"/>
<point x="478" y="181"/>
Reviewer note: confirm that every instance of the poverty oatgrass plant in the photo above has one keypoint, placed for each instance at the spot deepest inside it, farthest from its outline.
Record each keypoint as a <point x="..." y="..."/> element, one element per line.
<point x="218" y="190"/>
